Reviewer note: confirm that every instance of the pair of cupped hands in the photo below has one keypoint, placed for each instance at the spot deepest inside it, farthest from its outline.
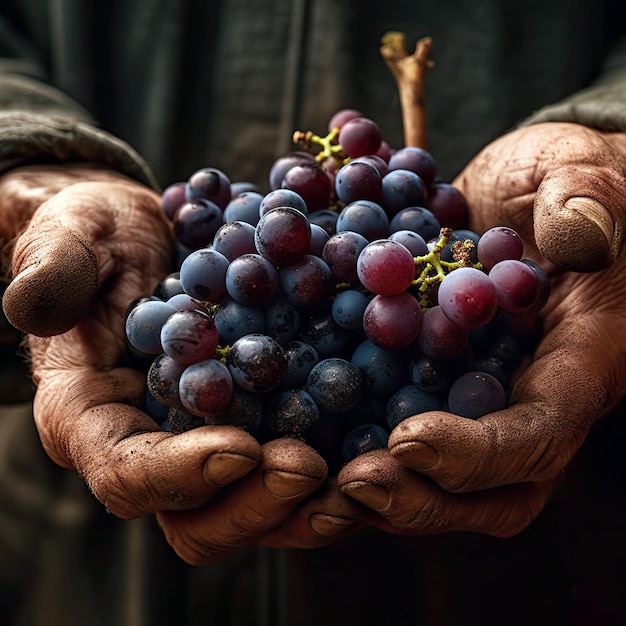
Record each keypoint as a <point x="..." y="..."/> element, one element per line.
<point x="85" y="241"/>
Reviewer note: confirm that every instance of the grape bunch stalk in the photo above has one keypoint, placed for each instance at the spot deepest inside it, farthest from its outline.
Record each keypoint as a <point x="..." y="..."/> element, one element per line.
<point x="344" y="298"/>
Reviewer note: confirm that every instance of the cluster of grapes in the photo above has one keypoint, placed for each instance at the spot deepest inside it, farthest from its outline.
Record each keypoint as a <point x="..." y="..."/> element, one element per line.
<point x="344" y="300"/>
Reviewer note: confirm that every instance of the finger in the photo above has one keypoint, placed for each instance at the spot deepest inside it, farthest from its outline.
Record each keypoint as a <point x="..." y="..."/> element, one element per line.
<point x="242" y="514"/>
<point x="82" y="237"/>
<point x="403" y="502"/>
<point x="578" y="216"/>
<point x="321" y="519"/>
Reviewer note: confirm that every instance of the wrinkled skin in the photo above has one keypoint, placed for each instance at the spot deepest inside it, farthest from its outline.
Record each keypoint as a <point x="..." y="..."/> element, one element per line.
<point x="215" y="489"/>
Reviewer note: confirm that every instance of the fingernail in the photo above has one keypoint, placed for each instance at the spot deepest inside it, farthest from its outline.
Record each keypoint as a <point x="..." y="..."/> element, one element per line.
<point x="372" y="496"/>
<point x="329" y="525"/>
<point x="419" y="456"/>
<point x="224" y="467"/>
<point x="285" y="485"/>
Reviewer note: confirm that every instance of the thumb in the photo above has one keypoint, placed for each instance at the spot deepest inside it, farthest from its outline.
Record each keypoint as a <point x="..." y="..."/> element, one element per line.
<point x="579" y="217"/>
<point x="51" y="264"/>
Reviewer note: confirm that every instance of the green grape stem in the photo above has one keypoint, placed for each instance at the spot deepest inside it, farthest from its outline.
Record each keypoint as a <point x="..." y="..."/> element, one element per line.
<point x="328" y="149"/>
<point x="435" y="269"/>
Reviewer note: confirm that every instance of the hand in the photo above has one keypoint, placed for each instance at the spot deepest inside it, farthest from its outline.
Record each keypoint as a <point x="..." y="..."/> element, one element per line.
<point x="86" y="242"/>
<point x="563" y="188"/>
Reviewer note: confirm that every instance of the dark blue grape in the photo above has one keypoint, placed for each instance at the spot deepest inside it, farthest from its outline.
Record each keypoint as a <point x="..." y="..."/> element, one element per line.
<point x="282" y="198"/>
<point x="401" y="189"/>
<point x="414" y="242"/>
<point x="244" y="208"/>
<point x="348" y="309"/>
<point x="282" y="319"/>
<point x="358" y="180"/>
<point x="257" y="363"/>
<point x="362" y="439"/>
<point x="234" y="320"/>
<point x="364" y="217"/>
<point x="408" y="401"/>
<point x="293" y="413"/>
<point x="475" y="394"/>
<point x="429" y="374"/>
<point x="335" y="384"/>
<point x="416" y="160"/>
<point x="417" y="219"/>
<point x="301" y="358"/>
<point x="143" y="325"/>
<point x="384" y="371"/>
<point x="206" y="388"/>
<point x="320" y="330"/>
<point x="203" y="275"/>
<point x="163" y="378"/>
<point x="169" y="286"/>
<point x="326" y="218"/>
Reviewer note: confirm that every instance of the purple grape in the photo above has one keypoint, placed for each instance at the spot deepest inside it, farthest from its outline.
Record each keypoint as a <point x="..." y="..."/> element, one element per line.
<point x="401" y="189"/>
<point x="341" y="253"/>
<point x="244" y="208"/>
<point x="282" y="198"/>
<point x="415" y="160"/>
<point x="251" y="280"/>
<point x="282" y="235"/>
<point x="312" y="183"/>
<point x="211" y="184"/>
<point x="189" y="336"/>
<point x="393" y="322"/>
<point x="440" y="338"/>
<point x="203" y="275"/>
<point x="206" y="388"/>
<point x="306" y="282"/>
<point x="172" y="197"/>
<point x="335" y="385"/>
<point x="196" y="222"/>
<point x="498" y="244"/>
<point x="143" y="325"/>
<point x="163" y="379"/>
<point x="257" y="363"/>
<point x="386" y="267"/>
<point x="284" y="163"/>
<point x="448" y="205"/>
<point x="358" y="181"/>
<point x="359" y="136"/>
<point x="234" y="239"/>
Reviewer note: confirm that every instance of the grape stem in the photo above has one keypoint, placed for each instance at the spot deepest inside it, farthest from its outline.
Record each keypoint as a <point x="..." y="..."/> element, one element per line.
<point x="434" y="269"/>
<point x="409" y="72"/>
<point x="327" y="144"/>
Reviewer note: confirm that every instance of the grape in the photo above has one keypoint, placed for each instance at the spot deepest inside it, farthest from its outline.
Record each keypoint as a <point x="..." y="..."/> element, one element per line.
<point x="360" y="136"/>
<point x="440" y="338"/>
<point x="234" y="239"/>
<point x="364" y="217"/>
<point x="517" y="285"/>
<point x="386" y="267"/>
<point x="284" y="163"/>
<point x="293" y="413"/>
<point x="321" y="331"/>
<point x="244" y="208"/>
<point x="319" y="237"/>
<point x="242" y="186"/>
<point x="311" y="183"/>
<point x="341" y="252"/>
<point x="143" y="325"/>
<point x="234" y="320"/>
<point x="408" y="401"/>
<point x="393" y="322"/>
<point x="163" y="379"/>
<point x="342" y="117"/>
<point x="430" y="374"/>
<point x="301" y="358"/>
<point x="362" y="439"/>
<point x="206" y="387"/>
<point x="282" y="235"/>
<point x="203" y="275"/>
<point x="189" y="336"/>
<point x="211" y="184"/>
<point x="257" y="363"/>
<point x="467" y="297"/>
<point x="169" y="286"/>
<point x="282" y="319"/>
<point x="372" y="159"/>
<point x="401" y="189"/>
<point x="417" y="219"/>
<point x="384" y="371"/>
<point x="415" y="160"/>
<point x="448" y="205"/>
<point x="251" y="280"/>
<point x="335" y="385"/>
<point x="326" y="218"/>
<point x="358" y="181"/>
<point x="497" y="244"/>
<point x="172" y="197"/>
<point x="196" y="222"/>
<point x="348" y="309"/>
<point x="413" y="241"/>
<point x="244" y="410"/>
<point x="282" y="198"/>
<point x="475" y="394"/>
<point x="306" y="282"/>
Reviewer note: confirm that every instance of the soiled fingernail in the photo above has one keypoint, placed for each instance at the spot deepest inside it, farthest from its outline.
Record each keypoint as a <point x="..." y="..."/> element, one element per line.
<point x="373" y="496"/>
<point x="329" y="525"/>
<point x="418" y="455"/>
<point x="285" y="485"/>
<point x="224" y="467"/>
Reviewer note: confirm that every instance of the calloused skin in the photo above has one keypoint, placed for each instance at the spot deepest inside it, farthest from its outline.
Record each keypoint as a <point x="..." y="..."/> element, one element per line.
<point x="214" y="489"/>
